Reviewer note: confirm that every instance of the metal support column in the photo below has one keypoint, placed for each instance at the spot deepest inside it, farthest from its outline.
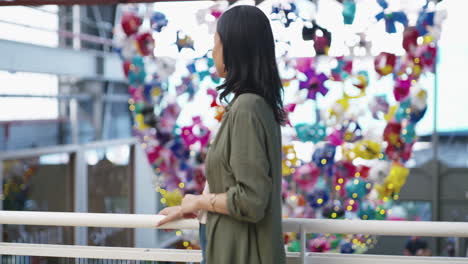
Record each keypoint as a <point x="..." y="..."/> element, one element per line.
<point x="303" y="245"/>
<point x="1" y="195"/>
<point x="436" y="162"/>
<point x="105" y="135"/>
<point x="75" y="130"/>
<point x="80" y="192"/>
<point x="76" y="25"/>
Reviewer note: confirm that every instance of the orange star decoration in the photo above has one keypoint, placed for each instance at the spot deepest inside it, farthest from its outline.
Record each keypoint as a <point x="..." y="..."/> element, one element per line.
<point x="219" y="113"/>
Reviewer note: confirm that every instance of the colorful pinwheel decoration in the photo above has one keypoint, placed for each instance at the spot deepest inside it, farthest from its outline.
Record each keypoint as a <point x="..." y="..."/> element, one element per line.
<point x="306" y="176"/>
<point x="197" y="132"/>
<point x="135" y="71"/>
<point x="410" y="40"/>
<point x="187" y="86"/>
<point x="205" y="69"/>
<point x="425" y="19"/>
<point x="324" y="158"/>
<point x="158" y="21"/>
<point x="384" y="63"/>
<point x="427" y="56"/>
<point x="165" y="67"/>
<point x="130" y="23"/>
<point x="401" y="89"/>
<point x="314" y="84"/>
<point x="391" y="17"/>
<point x="361" y="81"/>
<point x="378" y="104"/>
<point x="342" y="70"/>
<point x="285" y="12"/>
<point x="219" y="108"/>
<point x="289" y="108"/>
<point x="310" y="132"/>
<point x="209" y="16"/>
<point x="145" y="44"/>
<point x="152" y="91"/>
<point x="322" y="38"/>
<point x="318" y="198"/>
<point x="349" y="11"/>
<point x="184" y="41"/>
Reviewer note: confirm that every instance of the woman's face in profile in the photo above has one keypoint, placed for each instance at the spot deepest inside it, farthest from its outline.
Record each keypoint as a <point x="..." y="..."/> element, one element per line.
<point x="218" y="56"/>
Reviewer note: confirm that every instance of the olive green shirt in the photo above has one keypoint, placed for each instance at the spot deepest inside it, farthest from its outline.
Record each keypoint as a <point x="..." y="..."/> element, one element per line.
<point x="244" y="160"/>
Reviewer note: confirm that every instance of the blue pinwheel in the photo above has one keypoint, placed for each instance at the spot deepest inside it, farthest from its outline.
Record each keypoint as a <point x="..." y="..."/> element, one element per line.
<point x="391" y="17"/>
<point x="425" y="19"/>
<point x="158" y="21"/>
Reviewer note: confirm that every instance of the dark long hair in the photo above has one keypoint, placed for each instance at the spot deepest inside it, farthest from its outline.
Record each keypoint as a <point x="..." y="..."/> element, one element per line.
<point x="249" y="57"/>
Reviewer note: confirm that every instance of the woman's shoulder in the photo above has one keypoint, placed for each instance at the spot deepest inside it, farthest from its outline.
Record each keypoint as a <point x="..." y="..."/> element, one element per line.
<point x="249" y="102"/>
<point x="254" y="106"/>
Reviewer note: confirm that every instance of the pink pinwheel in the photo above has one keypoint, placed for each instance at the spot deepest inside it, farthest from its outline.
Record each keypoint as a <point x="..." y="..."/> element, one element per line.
<point x="336" y="137"/>
<point x="344" y="169"/>
<point x="160" y="156"/>
<point x="410" y="40"/>
<point x="314" y="83"/>
<point x="320" y="244"/>
<point x="289" y="109"/>
<point x="196" y="133"/>
<point x="213" y="93"/>
<point x="136" y="93"/>
<point x="351" y="205"/>
<point x="401" y="89"/>
<point x="216" y="12"/>
<point x="154" y="154"/>
<point x="168" y="118"/>
<point x="427" y="54"/>
<point x="304" y="64"/>
<point x="306" y="176"/>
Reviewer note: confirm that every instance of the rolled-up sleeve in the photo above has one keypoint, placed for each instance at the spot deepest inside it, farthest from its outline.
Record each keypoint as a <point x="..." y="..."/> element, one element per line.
<point x="248" y="199"/>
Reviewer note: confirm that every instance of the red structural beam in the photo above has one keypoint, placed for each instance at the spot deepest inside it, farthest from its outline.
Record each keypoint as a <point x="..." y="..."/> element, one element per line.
<point x="77" y="2"/>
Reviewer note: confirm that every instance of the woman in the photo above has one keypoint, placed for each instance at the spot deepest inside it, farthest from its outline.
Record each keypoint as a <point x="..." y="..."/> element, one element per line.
<point x="243" y="164"/>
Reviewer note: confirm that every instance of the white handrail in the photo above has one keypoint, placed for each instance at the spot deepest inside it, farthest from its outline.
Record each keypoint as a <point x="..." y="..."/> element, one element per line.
<point x="91" y="220"/>
<point x="27" y="153"/>
<point x="180" y="255"/>
<point x="99" y="252"/>
<point x="396" y="228"/>
<point x="377" y="227"/>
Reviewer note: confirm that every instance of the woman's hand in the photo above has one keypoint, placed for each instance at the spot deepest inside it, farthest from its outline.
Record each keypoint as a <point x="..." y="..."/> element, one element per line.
<point x="174" y="213"/>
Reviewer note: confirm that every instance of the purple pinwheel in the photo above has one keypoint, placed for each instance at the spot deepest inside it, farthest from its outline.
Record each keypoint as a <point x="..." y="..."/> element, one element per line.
<point x="378" y="104"/>
<point x="314" y="83"/>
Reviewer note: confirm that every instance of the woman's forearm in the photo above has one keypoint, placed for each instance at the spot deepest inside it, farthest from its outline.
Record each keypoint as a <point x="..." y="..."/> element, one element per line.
<point x="212" y="203"/>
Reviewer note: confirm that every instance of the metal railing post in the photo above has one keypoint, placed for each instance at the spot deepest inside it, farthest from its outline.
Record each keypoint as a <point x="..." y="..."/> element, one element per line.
<point x="1" y="196"/>
<point x="80" y="193"/>
<point x="303" y="244"/>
